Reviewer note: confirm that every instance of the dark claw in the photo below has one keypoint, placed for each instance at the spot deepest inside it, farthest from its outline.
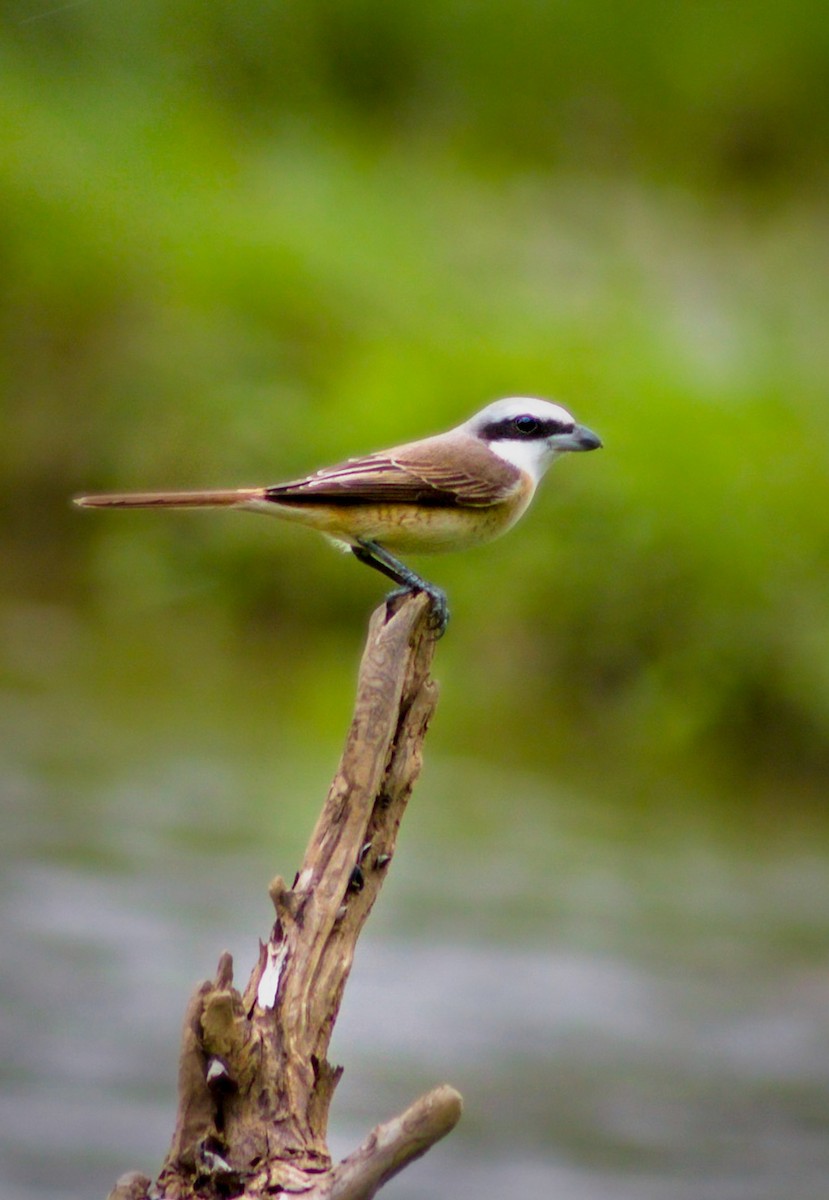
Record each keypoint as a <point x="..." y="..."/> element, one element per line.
<point x="439" y="616"/>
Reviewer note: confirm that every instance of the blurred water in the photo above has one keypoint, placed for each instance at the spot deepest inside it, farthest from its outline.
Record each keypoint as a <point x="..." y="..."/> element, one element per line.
<point x="631" y="1008"/>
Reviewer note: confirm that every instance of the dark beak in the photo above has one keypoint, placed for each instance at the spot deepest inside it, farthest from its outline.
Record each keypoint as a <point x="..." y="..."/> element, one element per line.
<point x="581" y="438"/>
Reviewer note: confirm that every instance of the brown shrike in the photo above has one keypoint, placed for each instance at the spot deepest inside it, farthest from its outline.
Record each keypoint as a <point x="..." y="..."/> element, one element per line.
<point x="446" y="492"/>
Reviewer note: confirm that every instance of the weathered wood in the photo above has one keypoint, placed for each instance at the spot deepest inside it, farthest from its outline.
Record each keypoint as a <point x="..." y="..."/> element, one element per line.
<point x="255" y="1084"/>
<point x="392" y="1146"/>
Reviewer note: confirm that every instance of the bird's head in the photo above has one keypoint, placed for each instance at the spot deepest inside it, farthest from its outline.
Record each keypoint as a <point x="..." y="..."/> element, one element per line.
<point x="529" y="433"/>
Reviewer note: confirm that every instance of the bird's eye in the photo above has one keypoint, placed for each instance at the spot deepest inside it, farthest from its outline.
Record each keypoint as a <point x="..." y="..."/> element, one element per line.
<point x="526" y="425"/>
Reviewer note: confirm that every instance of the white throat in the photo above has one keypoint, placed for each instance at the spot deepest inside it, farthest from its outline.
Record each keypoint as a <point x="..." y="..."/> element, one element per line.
<point x="531" y="457"/>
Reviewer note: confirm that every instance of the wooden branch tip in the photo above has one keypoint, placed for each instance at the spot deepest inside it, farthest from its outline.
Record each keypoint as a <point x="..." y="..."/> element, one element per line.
<point x="392" y="1145"/>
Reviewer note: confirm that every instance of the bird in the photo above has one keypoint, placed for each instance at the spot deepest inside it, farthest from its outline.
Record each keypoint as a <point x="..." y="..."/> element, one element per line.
<point x="447" y="492"/>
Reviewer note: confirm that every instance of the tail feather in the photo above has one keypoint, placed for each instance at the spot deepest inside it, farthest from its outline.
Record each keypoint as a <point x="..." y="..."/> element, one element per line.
<point x="218" y="499"/>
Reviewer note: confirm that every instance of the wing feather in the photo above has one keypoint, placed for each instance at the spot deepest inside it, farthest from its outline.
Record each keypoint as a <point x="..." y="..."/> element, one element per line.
<point x="420" y="474"/>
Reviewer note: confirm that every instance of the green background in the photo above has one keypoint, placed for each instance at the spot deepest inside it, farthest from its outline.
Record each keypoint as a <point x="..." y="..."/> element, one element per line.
<point x="241" y="241"/>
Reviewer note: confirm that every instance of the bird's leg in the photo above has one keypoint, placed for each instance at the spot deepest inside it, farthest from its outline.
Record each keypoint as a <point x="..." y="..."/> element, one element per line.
<point x="373" y="555"/>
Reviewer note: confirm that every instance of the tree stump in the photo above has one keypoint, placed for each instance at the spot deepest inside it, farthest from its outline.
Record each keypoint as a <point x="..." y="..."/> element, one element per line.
<point x="255" y="1085"/>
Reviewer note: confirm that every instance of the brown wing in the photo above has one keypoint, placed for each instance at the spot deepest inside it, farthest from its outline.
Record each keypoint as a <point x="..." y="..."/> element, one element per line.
<point x="431" y="473"/>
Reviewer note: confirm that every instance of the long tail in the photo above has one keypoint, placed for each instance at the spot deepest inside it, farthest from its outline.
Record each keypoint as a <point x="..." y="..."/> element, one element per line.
<point x="219" y="499"/>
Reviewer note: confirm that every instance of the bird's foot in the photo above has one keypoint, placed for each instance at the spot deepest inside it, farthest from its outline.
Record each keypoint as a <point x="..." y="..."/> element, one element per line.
<point x="439" y="614"/>
<point x="376" y="556"/>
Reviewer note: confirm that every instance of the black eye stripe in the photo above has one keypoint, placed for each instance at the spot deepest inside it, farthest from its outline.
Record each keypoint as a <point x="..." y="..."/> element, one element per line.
<point x="511" y="428"/>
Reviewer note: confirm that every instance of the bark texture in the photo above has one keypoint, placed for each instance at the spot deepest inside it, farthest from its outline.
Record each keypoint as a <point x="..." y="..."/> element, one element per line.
<point x="255" y="1084"/>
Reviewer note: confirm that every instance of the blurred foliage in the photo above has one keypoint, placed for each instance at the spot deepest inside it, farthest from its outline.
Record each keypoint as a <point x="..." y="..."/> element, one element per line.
<point x="240" y="241"/>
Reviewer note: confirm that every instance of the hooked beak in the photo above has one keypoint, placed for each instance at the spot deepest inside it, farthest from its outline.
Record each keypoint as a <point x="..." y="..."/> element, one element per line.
<point x="581" y="438"/>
